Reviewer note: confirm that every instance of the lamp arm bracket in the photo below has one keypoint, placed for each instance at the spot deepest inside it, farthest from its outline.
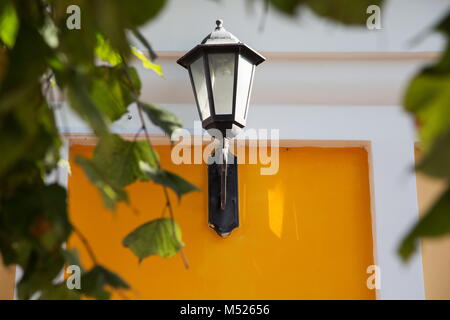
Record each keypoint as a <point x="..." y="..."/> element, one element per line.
<point x="223" y="173"/>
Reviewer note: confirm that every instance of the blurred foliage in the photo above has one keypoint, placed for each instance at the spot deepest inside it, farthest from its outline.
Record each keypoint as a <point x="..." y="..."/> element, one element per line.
<point x="349" y="12"/>
<point x="428" y="99"/>
<point x="90" y="67"/>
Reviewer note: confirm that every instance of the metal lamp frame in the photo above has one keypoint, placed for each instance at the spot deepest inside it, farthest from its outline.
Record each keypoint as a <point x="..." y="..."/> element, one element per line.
<point x="223" y="207"/>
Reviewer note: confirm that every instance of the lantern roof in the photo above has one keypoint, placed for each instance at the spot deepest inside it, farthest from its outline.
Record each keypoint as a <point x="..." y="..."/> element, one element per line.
<point x="220" y="35"/>
<point x="220" y="40"/>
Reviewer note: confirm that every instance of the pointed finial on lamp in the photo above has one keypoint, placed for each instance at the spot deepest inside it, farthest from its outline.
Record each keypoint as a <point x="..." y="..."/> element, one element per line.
<point x="219" y="23"/>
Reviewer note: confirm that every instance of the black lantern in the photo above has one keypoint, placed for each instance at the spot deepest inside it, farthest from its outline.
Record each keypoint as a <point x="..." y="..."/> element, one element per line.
<point x="221" y="69"/>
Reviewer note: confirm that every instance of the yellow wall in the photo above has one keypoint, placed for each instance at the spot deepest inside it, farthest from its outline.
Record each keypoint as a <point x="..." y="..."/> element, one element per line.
<point x="305" y="233"/>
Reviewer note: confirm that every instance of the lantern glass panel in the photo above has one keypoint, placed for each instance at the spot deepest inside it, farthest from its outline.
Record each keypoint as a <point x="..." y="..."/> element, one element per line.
<point x="244" y="86"/>
<point x="199" y="84"/>
<point x="221" y="68"/>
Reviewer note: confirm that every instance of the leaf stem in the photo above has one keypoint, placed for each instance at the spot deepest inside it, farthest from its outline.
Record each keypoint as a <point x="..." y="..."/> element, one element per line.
<point x="86" y="245"/>
<point x="172" y="216"/>
<point x="184" y="258"/>
<point x="137" y="133"/>
<point x="147" y="136"/>
<point x="122" y="295"/>
<point x="94" y="258"/>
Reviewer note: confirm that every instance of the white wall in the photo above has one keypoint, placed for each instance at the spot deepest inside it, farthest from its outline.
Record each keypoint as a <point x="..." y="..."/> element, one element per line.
<point x="186" y="22"/>
<point x="309" y="59"/>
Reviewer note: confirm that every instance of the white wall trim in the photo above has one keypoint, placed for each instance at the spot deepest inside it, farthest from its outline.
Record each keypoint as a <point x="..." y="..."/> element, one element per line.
<point x="328" y="56"/>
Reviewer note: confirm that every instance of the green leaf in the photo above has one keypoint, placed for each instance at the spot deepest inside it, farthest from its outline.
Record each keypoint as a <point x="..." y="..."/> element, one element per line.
<point x="26" y="68"/>
<point x="444" y="25"/>
<point x="145" y="154"/>
<point x="94" y="282"/>
<point x="349" y="12"/>
<point x="137" y="12"/>
<point x="111" y="22"/>
<point x="286" y="6"/>
<point x="110" y="192"/>
<point x="82" y="103"/>
<point x="41" y="269"/>
<point x="14" y="251"/>
<point x="54" y="200"/>
<point x="49" y="32"/>
<point x="119" y="159"/>
<point x="104" y="51"/>
<point x="130" y="78"/>
<point x="9" y="23"/>
<point x="78" y="45"/>
<point x="102" y="95"/>
<point x="117" y="163"/>
<point x="146" y="63"/>
<point x="108" y="94"/>
<point x="37" y="214"/>
<point x="435" y="223"/>
<point x="168" y="179"/>
<point x="436" y="162"/>
<point x="145" y="43"/>
<point x="166" y="120"/>
<point x="26" y="132"/>
<point x="158" y="237"/>
<point x="59" y="292"/>
<point x="72" y="257"/>
<point x="428" y="97"/>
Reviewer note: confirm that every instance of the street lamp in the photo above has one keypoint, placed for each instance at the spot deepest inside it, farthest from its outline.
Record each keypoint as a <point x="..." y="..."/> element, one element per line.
<point x="221" y="70"/>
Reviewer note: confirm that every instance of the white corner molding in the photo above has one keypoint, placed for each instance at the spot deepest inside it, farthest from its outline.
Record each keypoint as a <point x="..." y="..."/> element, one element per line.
<point x="395" y="210"/>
